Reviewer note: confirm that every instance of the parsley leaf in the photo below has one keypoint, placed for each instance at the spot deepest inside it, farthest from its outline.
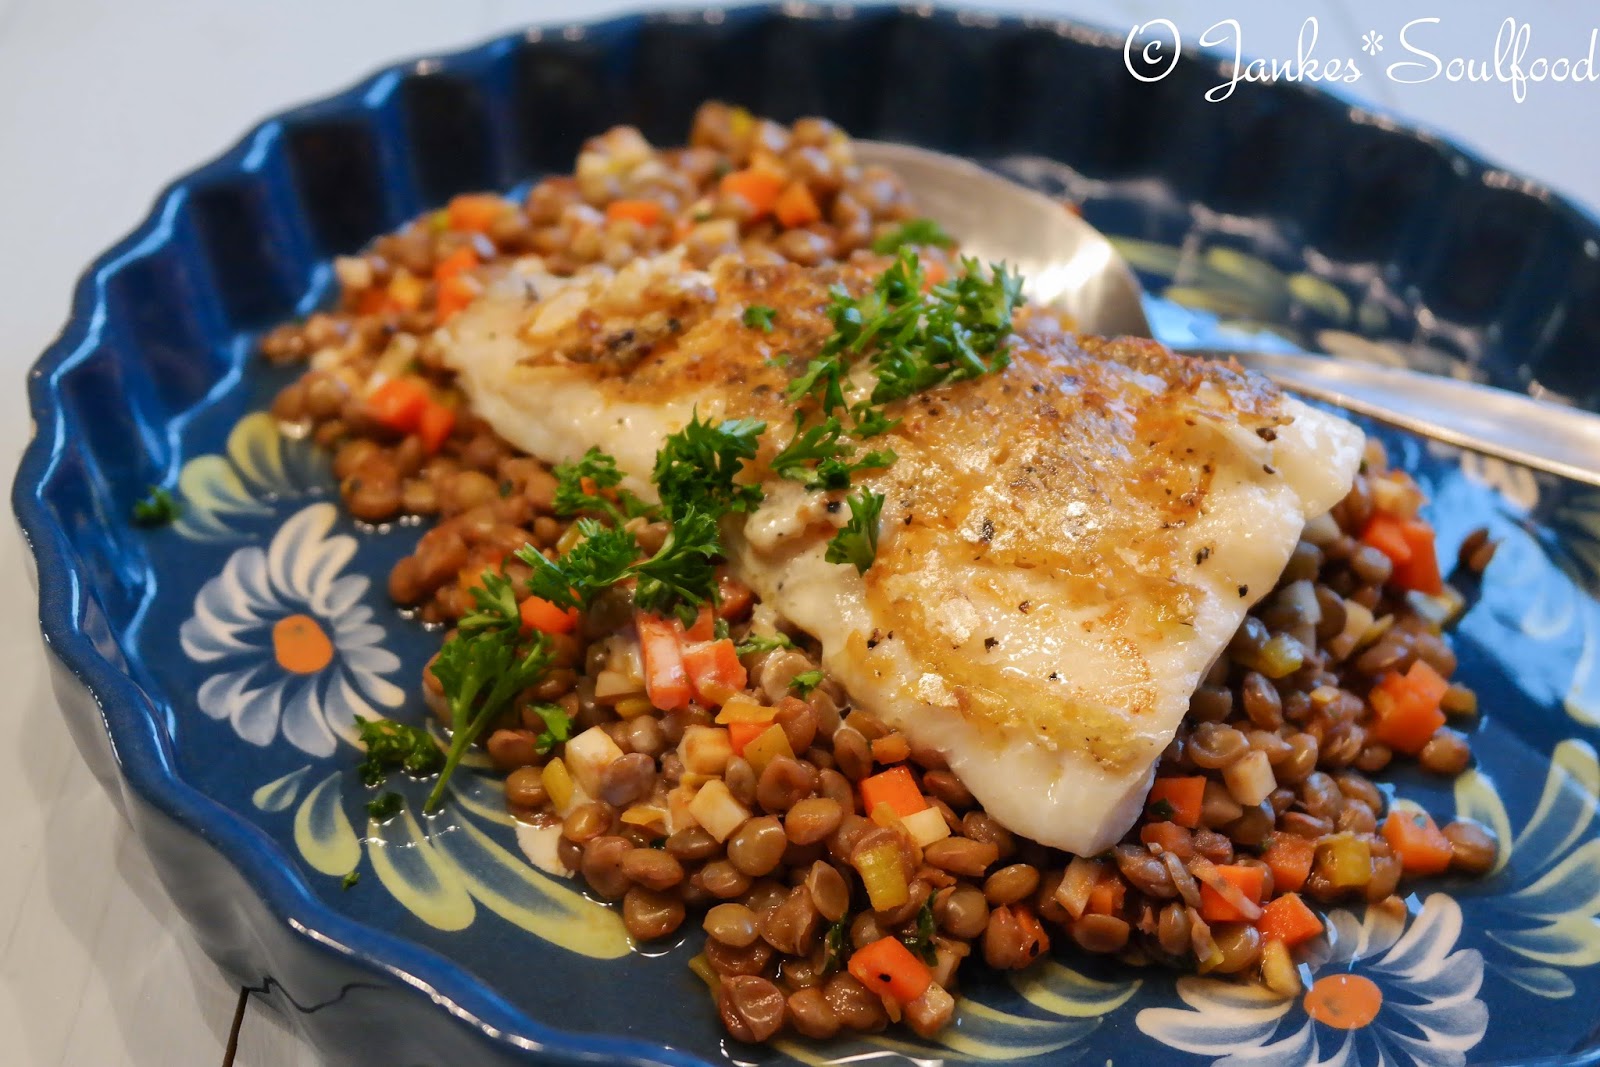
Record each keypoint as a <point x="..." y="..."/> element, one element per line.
<point x="826" y="445"/>
<point x="920" y="940"/>
<point x="348" y="882"/>
<point x="871" y="421"/>
<point x="580" y="487"/>
<point x="385" y="805"/>
<point x="857" y="543"/>
<point x="497" y="605"/>
<point x="837" y="951"/>
<point x="759" y="317"/>
<point x="596" y="563"/>
<point x="823" y="379"/>
<point x="392" y="745"/>
<point x="959" y="333"/>
<point x="557" y="726"/>
<point x="913" y="232"/>
<point x="680" y="575"/>
<point x="696" y="466"/>
<point x="826" y="440"/>
<point x="157" y="509"/>
<point x="481" y="672"/>
<point x="917" y="337"/>
<point x="803" y="683"/>
<point x="836" y="473"/>
<point x="762" y="643"/>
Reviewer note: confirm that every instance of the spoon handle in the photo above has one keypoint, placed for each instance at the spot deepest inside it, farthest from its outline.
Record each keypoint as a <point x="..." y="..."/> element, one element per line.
<point x="1535" y="433"/>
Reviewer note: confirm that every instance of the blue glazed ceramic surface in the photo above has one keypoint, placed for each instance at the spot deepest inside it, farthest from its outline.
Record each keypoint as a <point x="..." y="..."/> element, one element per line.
<point x="1282" y="218"/>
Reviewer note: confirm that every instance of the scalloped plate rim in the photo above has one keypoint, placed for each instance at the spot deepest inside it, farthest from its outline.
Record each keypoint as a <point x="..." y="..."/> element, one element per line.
<point x="140" y="748"/>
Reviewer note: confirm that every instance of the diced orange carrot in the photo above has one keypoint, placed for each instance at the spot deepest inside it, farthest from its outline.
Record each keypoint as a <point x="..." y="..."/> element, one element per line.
<point x="1384" y="533"/>
<point x="714" y="671"/>
<point x="1422" y="572"/>
<point x="1287" y="919"/>
<point x="889" y="969"/>
<point x="666" y="682"/>
<point x="1035" y="942"/>
<point x="1409" y="544"/>
<point x="472" y="576"/>
<point x="372" y="301"/>
<point x="703" y="629"/>
<point x="933" y="273"/>
<point x="741" y="734"/>
<point x="399" y="403"/>
<point x="455" y="264"/>
<point x="475" y="211"/>
<point x="1183" y="795"/>
<point x="1290" y="858"/>
<point x="545" y="617"/>
<point x="894" y="787"/>
<point x="1167" y="836"/>
<point x="1406" y="708"/>
<point x="1214" y="907"/>
<point x="796" y="206"/>
<point x="644" y="212"/>
<point x="1417" y="841"/>
<point x="759" y="188"/>
<point x="733" y="596"/>
<point x="1107" y="896"/>
<point x="435" y="424"/>
<point x="891" y="748"/>
<point x="453" y="296"/>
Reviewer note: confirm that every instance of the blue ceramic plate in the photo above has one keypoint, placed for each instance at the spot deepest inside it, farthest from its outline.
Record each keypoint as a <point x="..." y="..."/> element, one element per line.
<point x="1282" y="217"/>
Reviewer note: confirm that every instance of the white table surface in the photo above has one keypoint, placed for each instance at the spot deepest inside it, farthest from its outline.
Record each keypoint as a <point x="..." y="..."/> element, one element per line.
<point x="103" y="101"/>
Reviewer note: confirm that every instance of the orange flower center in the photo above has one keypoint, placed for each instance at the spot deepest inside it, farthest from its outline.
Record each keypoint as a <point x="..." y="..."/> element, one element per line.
<point x="1344" y="1001"/>
<point x="300" y="645"/>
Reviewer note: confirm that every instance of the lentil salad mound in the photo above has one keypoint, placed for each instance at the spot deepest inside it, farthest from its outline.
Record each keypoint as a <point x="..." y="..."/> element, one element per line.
<point x="685" y="749"/>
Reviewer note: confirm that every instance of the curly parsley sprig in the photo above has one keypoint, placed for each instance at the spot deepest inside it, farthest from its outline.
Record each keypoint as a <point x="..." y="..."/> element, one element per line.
<point x="696" y="468"/>
<point x="480" y="673"/>
<point x="823" y="455"/>
<point x="601" y="558"/>
<point x="158" y="508"/>
<point x="394" y="745"/>
<point x="857" y="543"/>
<point x="917" y="336"/>
<point x="913" y="232"/>
<point x="679" y="577"/>
<point x="582" y="486"/>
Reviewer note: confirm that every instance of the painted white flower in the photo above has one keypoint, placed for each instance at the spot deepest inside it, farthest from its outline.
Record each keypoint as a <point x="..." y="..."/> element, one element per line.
<point x="298" y="654"/>
<point x="1546" y="910"/>
<point x="1391" y="988"/>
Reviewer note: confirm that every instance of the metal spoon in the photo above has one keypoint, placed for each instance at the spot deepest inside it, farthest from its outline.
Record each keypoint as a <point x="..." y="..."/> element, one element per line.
<point x="1070" y="264"/>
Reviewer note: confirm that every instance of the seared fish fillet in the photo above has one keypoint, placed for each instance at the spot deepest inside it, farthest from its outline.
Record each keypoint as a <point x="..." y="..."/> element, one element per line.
<point x="1065" y="547"/>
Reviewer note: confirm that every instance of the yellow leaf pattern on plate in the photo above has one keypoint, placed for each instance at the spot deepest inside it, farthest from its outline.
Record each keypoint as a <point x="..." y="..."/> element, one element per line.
<point x="259" y="467"/>
<point x="322" y="830"/>
<point x="415" y="874"/>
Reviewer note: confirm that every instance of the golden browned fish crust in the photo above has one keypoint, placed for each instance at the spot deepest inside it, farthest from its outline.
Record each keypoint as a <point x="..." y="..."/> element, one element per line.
<point x="1080" y="464"/>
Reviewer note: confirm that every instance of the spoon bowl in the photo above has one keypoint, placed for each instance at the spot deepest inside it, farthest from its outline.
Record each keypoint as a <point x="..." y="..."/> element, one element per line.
<point x="1065" y="262"/>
